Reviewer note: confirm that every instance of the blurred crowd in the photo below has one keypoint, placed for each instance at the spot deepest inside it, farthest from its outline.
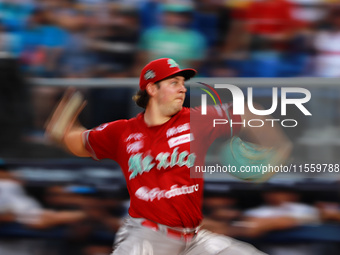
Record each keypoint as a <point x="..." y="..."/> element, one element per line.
<point x="115" y="38"/>
<point x="282" y="208"/>
<point x="55" y="219"/>
<point x="80" y="220"/>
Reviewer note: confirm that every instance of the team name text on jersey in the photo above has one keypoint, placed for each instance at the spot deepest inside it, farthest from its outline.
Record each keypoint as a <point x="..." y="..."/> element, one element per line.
<point x="139" y="164"/>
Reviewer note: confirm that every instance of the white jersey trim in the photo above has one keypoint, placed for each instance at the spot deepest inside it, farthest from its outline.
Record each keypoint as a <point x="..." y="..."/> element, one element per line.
<point x="86" y="135"/>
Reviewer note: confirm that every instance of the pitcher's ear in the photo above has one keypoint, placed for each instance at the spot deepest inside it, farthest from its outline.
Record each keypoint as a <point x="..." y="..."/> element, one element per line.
<point x="151" y="88"/>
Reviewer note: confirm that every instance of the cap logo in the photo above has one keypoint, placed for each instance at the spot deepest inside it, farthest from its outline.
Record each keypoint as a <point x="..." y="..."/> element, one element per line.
<point x="149" y="74"/>
<point x="172" y="63"/>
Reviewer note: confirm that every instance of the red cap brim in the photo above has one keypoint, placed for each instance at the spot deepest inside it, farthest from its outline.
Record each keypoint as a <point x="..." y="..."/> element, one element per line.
<point x="186" y="73"/>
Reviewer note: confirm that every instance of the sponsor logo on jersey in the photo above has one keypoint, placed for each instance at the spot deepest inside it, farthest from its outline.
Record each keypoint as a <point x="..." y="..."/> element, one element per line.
<point x="147" y="194"/>
<point x="176" y="130"/>
<point x="134" y="136"/>
<point x="134" y="147"/>
<point x="139" y="164"/>
<point x="175" y="141"/>
<point x="101" y="127"/>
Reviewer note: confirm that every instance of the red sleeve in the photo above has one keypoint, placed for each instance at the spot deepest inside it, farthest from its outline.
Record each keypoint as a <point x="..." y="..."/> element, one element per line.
<point x="104" y="141"/>
<point x="222" y="114"/>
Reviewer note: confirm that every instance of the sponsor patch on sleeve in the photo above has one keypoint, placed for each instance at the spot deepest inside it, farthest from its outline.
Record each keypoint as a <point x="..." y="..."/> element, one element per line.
<point x="180" y="140"/>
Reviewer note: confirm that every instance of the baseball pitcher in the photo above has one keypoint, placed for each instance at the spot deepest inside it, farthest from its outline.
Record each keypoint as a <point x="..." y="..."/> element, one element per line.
<point x="155" y="152"/>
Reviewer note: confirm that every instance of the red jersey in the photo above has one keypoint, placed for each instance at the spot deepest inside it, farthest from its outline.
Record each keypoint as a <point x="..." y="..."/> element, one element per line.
<point x="156" y="161"/>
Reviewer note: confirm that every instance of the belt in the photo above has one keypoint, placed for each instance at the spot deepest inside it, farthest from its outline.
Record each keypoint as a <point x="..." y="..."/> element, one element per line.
<point x="185" y="234"/>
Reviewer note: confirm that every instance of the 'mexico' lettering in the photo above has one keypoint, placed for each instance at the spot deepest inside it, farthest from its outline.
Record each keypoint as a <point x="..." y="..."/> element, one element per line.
<point x="139" y="165"/>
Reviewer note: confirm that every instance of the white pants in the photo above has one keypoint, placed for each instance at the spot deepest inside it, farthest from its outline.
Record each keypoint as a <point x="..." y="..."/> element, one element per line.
<point x="135" y="239"/>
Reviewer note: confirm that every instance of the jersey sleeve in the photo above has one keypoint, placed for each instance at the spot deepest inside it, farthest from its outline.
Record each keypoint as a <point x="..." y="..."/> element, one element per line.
<point x="104" y="141"/>
<point x="219" y="121"/>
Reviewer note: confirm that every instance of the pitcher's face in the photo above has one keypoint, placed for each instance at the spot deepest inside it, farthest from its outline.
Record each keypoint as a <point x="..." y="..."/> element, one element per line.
<point x="170" y="95"/>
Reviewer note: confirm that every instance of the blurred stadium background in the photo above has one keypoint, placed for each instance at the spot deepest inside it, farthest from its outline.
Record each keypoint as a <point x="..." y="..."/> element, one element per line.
<point x="52" y="203"/>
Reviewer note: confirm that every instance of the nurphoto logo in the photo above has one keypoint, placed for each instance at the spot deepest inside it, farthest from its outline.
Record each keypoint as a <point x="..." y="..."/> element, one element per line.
<point x="238" y="100"/>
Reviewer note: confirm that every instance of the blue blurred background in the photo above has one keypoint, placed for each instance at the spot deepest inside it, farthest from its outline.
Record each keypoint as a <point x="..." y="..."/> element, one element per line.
<point x="52" y="203"/>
